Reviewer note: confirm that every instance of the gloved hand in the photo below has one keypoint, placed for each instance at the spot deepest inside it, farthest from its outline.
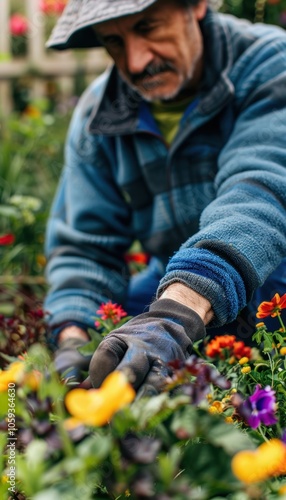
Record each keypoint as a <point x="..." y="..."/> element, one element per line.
<point x="69" y="362"/>
<point x="145" y="344"/>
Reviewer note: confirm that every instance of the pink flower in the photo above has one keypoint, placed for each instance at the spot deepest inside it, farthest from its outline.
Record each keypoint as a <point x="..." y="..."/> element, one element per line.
<point x="18" y="25"/>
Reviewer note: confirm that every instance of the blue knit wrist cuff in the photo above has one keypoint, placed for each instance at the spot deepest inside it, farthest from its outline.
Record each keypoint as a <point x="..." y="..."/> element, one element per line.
<point x="212" y="277"/>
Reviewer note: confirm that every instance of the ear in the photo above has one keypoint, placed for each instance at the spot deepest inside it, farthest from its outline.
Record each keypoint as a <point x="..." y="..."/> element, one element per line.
<point x="199" y="10"/>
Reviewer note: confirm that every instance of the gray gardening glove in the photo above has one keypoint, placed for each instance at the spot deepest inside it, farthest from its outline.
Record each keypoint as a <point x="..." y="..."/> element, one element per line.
<point x="144" y="345"/>
<point x="69" y="362"/>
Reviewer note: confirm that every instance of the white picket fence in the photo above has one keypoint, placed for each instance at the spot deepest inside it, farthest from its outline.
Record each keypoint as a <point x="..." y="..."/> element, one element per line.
<point x="41" y="63"/>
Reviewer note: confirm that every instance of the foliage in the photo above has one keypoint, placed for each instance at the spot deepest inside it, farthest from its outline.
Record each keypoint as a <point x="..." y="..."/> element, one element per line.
<point x="197" y="439"/>
<point x="31" y="157"/>
<point x="263" y="11"/>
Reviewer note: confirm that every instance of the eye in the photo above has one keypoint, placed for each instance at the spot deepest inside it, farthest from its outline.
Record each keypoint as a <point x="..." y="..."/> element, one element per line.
<point x="145" y="26"/>
<point x="112" y="41"/>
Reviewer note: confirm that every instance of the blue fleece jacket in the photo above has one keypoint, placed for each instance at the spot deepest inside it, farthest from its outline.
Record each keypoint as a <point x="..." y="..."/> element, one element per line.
<point x="211" y="207"/>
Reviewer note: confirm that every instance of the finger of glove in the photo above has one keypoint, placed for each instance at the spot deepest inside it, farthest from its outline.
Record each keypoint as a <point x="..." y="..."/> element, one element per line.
<point x="106" y="359"/>
<point x="157" y="376"/>
<point x="135" y="364"/>
<point x="86" y="384"/>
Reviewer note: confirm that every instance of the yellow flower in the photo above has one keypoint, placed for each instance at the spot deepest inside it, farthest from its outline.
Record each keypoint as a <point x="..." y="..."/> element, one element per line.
<point x="243" y="360"/>
<point x="260" y="325"/>
<point x="17" y="374"/>
<point x="41" y="260"/>
<point x="282" y="490"/>
<point x="10" y="375"/>
<point x="226" y="400"/>
<point x="229" y="420"/>
<point x="246" y="369"/>
<point x="97" y="406"/>
<point x="216" y="407"/>
<point x="255" y="466"/>
<point x="283" y="351"/>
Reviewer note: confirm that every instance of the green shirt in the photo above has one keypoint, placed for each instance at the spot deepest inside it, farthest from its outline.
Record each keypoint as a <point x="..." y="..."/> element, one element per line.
<point x="168" y="116"/>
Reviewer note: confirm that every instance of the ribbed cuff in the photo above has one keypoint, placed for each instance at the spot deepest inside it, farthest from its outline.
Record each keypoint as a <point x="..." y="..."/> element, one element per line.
<point x="210" y="276"/>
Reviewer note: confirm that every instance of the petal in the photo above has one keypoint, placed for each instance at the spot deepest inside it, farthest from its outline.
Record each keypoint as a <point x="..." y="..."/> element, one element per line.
<point x="282" y="303"/>
<point x="268" y="418"/>
<point x="246" y="468"/>
<point x="271" y="456"/>
<point x="253" y="421"/>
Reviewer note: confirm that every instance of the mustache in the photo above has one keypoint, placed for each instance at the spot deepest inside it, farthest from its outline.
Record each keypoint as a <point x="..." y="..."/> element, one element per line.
<point x="151" y="69"/>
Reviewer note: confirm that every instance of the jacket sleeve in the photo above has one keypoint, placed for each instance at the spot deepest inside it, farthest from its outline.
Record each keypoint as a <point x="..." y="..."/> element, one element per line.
<point x="88" y="231"/>
<point x="242" y="236"/>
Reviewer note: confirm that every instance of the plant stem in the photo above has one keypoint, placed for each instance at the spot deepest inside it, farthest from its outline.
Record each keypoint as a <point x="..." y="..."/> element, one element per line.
<point x="281" y="322"/>
<point x="67" y="444"/>
<point x="271" y="367"/>
<point x="262" y="434"/>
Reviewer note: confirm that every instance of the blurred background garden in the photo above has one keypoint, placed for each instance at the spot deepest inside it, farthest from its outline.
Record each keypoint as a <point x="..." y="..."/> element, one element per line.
<point x="38" y="92"/>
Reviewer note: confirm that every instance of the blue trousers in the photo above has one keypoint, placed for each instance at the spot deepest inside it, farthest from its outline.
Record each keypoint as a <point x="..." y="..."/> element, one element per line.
<point x="143" y="286"/>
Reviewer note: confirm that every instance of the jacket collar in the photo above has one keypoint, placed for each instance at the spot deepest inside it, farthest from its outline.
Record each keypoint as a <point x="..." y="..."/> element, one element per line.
<point x="118" y="110"/>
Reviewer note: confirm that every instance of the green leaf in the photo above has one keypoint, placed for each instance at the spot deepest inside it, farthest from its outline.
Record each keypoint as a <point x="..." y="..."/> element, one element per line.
<point x="204" y="464"/>
<point x="51" y="494"/>
<point x="96" y="449"/>
<point x="267" y="341"/>
<point x="279" y="337"/>
<point x="168" y="464"/>
<point x="89" y="348"/>
<point x="229" y="438"/>
<point x="184" y="424"/>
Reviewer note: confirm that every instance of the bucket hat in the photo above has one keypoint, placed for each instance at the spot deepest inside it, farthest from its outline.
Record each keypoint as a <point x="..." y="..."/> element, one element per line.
<point x="74" y="28"/>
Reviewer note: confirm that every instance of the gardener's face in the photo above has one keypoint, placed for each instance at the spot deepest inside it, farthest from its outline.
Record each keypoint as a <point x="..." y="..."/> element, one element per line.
<point x="159" y="51"/>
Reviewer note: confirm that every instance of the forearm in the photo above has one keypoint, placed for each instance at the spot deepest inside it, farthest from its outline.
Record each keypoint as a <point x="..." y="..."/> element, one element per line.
<point x="188" y="297"/>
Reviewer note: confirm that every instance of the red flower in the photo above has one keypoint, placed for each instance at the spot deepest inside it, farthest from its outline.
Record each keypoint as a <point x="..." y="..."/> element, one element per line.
<point x="7" y="239"/>
<point x="111" y="311"/>
<point x="272" y="308"/>
<point x="18" y="25"/>
<point x="139" y="257"/>
<point x="225" y="346"/>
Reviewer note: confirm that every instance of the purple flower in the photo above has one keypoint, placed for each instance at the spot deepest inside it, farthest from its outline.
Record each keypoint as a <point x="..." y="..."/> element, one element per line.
<point x="260" y="407"/>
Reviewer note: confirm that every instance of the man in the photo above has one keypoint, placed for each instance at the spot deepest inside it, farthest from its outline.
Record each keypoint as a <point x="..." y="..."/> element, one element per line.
<point x="180" y="145"/>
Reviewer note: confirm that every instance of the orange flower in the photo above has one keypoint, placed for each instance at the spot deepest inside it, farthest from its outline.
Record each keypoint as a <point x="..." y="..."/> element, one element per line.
<point x="272" y="308"/>
<point x="225" y="346"/>
<point x="268" y="460"/>
<point x="52" y="6"/>
<point x="97" y="406"/>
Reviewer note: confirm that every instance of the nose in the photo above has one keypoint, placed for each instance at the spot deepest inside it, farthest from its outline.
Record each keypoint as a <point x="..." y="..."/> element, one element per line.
<point x="138" y="55"/>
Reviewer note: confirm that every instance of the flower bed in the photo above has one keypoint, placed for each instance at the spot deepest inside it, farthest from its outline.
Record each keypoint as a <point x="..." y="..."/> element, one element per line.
<point x="217" y="431"/>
